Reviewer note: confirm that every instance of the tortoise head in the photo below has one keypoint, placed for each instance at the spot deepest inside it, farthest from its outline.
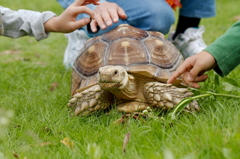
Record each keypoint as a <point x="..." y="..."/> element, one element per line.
<point x="112" y="77"/>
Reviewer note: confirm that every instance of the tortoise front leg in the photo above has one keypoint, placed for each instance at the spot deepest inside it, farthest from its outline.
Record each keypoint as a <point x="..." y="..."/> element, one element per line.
<point x="90" y="100"/>
<point x="166" y="96"/>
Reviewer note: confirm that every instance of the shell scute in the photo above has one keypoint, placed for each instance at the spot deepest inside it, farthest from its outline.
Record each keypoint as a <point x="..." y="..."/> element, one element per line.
<point x="125" y="52"/>
<point x="124" y="31"/>
<point x="161" y="54"/>
<point x="156" y="34"/>
<point x="91" y="41"/>
<point x="91" y="59"/>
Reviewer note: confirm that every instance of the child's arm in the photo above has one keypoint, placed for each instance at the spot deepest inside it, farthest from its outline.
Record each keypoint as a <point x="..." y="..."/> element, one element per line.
<point x="24" y="22"/>
<point x="67" y="22"/>
<point x="223" y="55"/>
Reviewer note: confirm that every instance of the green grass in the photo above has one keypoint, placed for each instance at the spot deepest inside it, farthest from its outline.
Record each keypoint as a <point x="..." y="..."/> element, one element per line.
<point x="41" y="115"/>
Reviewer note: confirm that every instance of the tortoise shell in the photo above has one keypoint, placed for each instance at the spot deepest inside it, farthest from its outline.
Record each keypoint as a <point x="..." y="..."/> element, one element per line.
<point x="143" y="52"/>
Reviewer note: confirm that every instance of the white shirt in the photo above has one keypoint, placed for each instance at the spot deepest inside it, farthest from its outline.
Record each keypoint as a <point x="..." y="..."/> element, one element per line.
<point x="24" y="22"/>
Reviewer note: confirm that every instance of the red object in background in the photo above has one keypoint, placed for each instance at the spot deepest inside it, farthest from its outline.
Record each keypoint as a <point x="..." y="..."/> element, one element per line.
<point x="174" y="3"/>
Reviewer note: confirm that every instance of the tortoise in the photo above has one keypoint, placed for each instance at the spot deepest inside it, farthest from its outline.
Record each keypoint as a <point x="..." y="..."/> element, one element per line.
<point x="129" y="66"/>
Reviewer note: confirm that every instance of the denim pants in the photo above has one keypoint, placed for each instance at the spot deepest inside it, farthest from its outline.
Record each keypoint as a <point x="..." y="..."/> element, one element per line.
<point x="198" y="8"/>
<point x="153" y="15"/>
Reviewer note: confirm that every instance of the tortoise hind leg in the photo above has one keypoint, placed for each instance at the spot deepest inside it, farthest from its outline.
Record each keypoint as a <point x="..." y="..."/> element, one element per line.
<point x="90" y="100"/>
<point x="166" y="96"/>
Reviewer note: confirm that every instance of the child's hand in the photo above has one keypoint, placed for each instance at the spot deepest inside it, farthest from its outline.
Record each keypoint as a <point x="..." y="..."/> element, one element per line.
<point x="193" y="69"/>
<point x="67" y="22"/>
<point x="105" y="14"/>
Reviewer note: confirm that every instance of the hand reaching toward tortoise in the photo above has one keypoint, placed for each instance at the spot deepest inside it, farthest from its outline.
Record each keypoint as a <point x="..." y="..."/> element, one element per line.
<point x="105" y="14"/>
<point x="193" y="69"/>
<point x="67" y="22"/>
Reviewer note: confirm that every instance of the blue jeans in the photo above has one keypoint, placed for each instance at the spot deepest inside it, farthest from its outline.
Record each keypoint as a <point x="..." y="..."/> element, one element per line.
<point x="154" y="15"/>
<point x="198" y="8"/>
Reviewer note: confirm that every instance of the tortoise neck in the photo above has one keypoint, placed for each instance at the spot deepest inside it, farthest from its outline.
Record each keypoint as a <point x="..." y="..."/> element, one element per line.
<point x="128" y="92"/>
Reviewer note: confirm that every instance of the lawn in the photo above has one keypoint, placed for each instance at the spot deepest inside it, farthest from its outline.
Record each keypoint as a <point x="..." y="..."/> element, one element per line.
<point x="34" y="119"/>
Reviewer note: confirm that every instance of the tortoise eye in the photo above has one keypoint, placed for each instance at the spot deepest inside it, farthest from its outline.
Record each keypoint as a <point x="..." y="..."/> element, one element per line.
<point x="115" y="72"/>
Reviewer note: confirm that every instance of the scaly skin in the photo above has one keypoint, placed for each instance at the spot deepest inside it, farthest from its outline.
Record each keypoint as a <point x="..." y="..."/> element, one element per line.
<point x="166" y="96"/>
<point x="90" y="100"/>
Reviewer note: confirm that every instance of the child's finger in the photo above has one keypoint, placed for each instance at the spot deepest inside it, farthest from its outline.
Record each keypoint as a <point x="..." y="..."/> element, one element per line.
<point x="121" y="13"/>
<point x="181" y="69"/>
<point x="82" y="9"/>
<point x="113" y="14"/>
<point x="194" y="85"/>
<point x="93" y="25"/>
<point x="200" y="78"/>
<point x="189" y="83"/>
<point x="100" y="21"/>
<point x="95" y="2"/>
<point x="80" y="23"/>
<point x="194" y="72"/>
<point x="106" y="16"/>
